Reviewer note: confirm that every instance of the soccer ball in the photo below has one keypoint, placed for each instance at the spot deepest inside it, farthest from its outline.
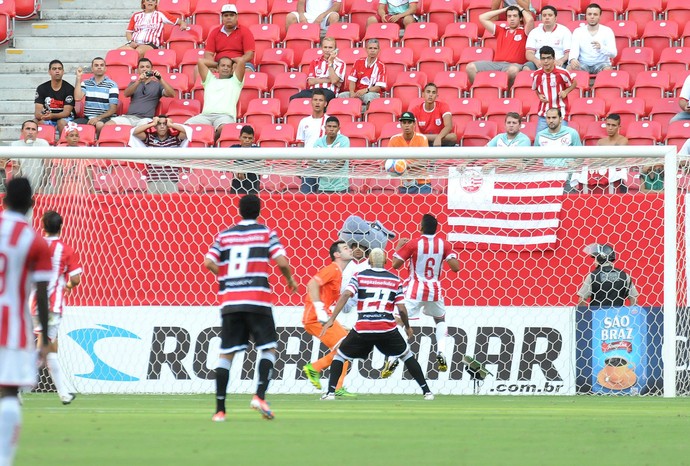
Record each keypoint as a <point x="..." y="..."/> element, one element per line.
<point x="396" y="166"/>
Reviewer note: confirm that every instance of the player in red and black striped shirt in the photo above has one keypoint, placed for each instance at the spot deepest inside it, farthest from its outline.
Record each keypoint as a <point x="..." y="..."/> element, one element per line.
<point x="378" y="293"/>
<point x="240" y="257"/>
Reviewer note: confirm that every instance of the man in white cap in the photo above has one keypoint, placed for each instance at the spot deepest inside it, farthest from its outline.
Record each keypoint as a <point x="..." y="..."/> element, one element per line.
<point x="230" y="39"/>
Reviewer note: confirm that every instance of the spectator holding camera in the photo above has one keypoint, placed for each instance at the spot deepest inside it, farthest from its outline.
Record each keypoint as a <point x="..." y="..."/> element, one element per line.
<point x="145" y="93"/>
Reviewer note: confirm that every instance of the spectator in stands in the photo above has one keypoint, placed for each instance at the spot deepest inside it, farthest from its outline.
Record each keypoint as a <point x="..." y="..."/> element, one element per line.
<point x="513" y="137"/>
<point x="145" y="28"/>
<point x="613" y="135"/>
<point x="550" y="33"/>
<point x="512" y="39"/>
<point x="244" y="182"/>
<point x="161" y="132"/>
<point x="100" y="94"/>
<point x="652" y="179"/>
<point x="684" y="95"/>
<point x="401" y="12"/>
<point x="552" y="85"/>
<point x="309" y="130"/>
<point x="524" y="4"/>
<point x="54" y="102"/>
<point x="220" y="94"/>
<point x="32" y="169"/>
<point x="410" y="138"/>
<point x="556" y="134"/>
<point x="230" y="40"/>
<point x="326" y="72"/>
<point x="367" y="80"/>
<point x="333" y="138"/>
<point x="145" y="94"/>
<point x="321" y="12"/>
<point x="594" y="45"/>
<point x="434" y="119"/>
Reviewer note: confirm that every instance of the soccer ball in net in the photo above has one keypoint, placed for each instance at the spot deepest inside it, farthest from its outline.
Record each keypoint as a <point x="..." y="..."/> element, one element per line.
<point x="396" y="166"/>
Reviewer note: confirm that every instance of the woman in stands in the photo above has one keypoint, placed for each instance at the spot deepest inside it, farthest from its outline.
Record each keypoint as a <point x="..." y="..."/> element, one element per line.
<point x="145" y="29"/>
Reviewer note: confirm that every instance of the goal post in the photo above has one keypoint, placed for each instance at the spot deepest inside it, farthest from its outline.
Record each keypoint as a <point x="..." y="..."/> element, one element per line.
<point x="145" y="320"/>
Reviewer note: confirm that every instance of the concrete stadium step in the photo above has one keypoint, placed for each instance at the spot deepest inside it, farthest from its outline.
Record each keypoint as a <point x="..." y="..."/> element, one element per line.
<point x="73" y="55"/>
<point x="72" y="29"/>
<point x="32" y="68"/>
<point x="14" y="119"/>
<point x="130" y="5"/>
<point x="9" y="133"/>
<point x="65" y="43"/>
<point x="93" y="14"/>
<point x="23" y="93"/>
<point x="18" y="107"/>
<point x="29" y="81"/>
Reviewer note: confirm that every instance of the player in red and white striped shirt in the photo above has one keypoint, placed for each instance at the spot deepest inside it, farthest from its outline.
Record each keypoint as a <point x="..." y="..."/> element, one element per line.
<point x="24" y="262"/>
<point x="552" y="86"/>
<point x="65" y="275"/>
<point x="426" y="254"/>
<point x="378" y="292"/>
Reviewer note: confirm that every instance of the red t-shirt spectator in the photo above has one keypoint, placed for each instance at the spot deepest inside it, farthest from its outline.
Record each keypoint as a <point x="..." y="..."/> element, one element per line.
<point x="511" y="44"/>
<point x="431" y="122"/>
<point x="368" y="76"/>
<point x="231" y="44"/>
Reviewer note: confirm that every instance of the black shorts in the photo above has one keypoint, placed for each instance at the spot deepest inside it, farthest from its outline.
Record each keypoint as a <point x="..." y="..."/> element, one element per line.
<point x="238" y="326"/>
<point x="359" y="345"/>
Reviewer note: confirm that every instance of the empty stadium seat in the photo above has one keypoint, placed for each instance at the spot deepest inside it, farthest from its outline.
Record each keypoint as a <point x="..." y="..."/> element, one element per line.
<point x="120" y="179"/>
<point x="678" y="132"/>
<point x="202" y="180"/>
<point x="643" y="133"/>
<point x="276" y="61"/>
<point x="489" y="85"/>
<point x="642" y="12"/>
<point x="163" y="60"/>
<point x="206" y="14"/>
<point x="382" y="111"/>
<point x="676" y="10"/>
<point x="301" y="37"/>
<point x="266" y="36"/>
<point x="47" y="132"/>
<point x="386" y="33"/>
<point x="522" y="89"/>
<point x="634" y="60"/>
<point x="497" y="109"/>
<point x="663" y="110"/>
<point x="651" y="86"/>
<point x="261" y="113"/>
<point x="351" y="54"/>
<point x="114" y="136"/>
<point x="180" y="110"/>
<point x="470" y="54"/>
<point x="251" y="11"/>
<point x="360" y="11"/>
<point x="27" y="9"/>
<point x="629" y="109"/>
<point x="459" y="36"/>
<point x="8" y="13"/>
<point x="348" y="109"/>
<point x="658" y="35"/>
<point x="121" y="60"/>
<point x="297" y="109"/>
<point x="182" y="40"/>
<point x="445" y="12"/>
<point x="419" y="36"/>
<point x="610" y="9"/>
<point x="276" y="135"/>
<point x="397" y="60"/>
<point x="388" y="130"/>
<point x="625" y="32"/>
<point x="286" y="85"/>
<point x="178" y="81"/>
<point x="611" y="84"/>
<point x="585" y="110"/>
<point x="188" y="64"/>
<point x="674" y="60"/>
<point x="278" y="11"/>
<point x="478" y="133"/>
<point x="408" y="85"/>
<point x="566" y="8"/>
<point x="360" y="133"/>
<point x="307" y="58"/>
<point x="475" y="8"/>
<point x="433" y="60"/>
<point x="464" y="110"/>
<point x="595" y="131"/>
<point x="254" y="87"/>
<point x="345" y="34"/>
<point x="202" y="136"/>
<point x="230" y="135"/>
<point x="177" y="8"/>
<point x="451" y="84"/>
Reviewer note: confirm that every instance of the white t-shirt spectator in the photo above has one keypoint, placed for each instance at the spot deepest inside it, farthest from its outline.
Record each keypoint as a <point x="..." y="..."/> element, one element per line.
<point x="559" y="39"/>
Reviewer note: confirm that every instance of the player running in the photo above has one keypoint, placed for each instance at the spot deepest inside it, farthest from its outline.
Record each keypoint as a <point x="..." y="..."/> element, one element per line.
<point x="24" y="261"/>
<point x="378" y="293"/>
<point x="66" y="274"/>
<point x="240" y="258"/>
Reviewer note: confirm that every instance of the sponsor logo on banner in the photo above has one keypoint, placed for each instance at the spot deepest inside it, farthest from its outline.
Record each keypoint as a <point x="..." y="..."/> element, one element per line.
<point x="174" y="350"/>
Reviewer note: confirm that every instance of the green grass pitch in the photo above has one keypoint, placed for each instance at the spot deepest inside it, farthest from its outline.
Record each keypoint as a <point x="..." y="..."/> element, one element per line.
<point x="105" y="430"/>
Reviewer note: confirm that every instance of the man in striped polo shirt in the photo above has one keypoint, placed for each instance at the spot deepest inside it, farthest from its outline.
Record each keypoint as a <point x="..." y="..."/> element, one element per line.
<point x="100" y="94"/>
<point x="240" y="257"/>
<point x="552" y="85"/>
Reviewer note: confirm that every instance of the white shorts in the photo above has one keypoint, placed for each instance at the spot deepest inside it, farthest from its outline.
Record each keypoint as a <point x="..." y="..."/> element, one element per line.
<point x="131" y="120"/>
<point x="430" y="308"/>
<point x="53" y="325"/>
<point x="312" y="18"/>
<point x="18" y="368"/>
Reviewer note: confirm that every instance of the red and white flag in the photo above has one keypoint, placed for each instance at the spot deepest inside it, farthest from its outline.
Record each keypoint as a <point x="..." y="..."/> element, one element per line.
<point x="516" y="211"/>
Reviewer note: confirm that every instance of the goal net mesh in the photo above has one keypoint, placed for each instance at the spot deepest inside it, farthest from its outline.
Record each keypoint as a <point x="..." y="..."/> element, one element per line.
<point x="145" y="318"/>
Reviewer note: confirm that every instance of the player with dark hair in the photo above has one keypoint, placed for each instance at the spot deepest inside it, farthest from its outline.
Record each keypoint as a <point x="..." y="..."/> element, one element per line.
<point x="26" y="263"/>
<point x="425" y="255"/>
<point x="240" y="257"/>
<point x="606" y="285"/>
<point x="65" y="275"/>
<point x="378" y="293"/>
<point x="323" y="290"/>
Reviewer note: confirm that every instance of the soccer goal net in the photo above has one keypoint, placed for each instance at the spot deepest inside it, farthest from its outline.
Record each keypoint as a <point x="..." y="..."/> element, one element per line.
<point x="545" y="237"/>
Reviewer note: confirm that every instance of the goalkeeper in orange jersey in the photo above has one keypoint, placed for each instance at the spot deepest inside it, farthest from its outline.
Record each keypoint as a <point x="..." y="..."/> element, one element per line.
<point x="323" y="291"/>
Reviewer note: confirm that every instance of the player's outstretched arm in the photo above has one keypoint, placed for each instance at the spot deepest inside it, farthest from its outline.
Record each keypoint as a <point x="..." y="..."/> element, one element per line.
<point x="339" y="306"/>
<point x="402" y="312"/>
<point x="211" y="266"/>
<point x="285" y="269"/>
<point x="454" y="264"/>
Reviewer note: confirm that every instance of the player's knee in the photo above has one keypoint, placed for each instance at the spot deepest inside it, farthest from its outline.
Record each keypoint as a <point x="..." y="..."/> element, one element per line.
<point x="268" y="354"/>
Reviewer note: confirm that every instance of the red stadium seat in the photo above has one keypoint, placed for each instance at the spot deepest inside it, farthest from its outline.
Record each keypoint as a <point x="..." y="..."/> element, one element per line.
<point x="663" y="110"/>
<point x="387" y="34"/>
<point x="179" y="82"/>
<point x="408" y="85"/>
<point x="201" y="180"/>
<point x="445" y="12"/>
<point x="676" y="10"/>
<point x="464" y="110"/>
<point x="207" y="15"/>
<point x="478" y="133"/>
<point x="658" y="35"/>
<point x="678" y="132"/>
<point x="360" y="11"/>
<point x="87" y="135"/>
<point x="276" y="61"/>
<point x="350" y="55"/>
<point x="530" y="129"/>
<point x="675" y="60"/>
<point x="361" y="133"/>
<point x="635" y="60"/>
<point x="309" y="56"/>
<point x="163" y="60"/>
<point x="27" y="9"/>
<point x="625" y="32"/>
<point x="202" y="136"/>
<point x="389" y="130"/>
<point x="188" y="63"/>
<point x="459" y="36"/>
<point x="276" y="135"/>
<point x="475" y="8"/>
<point x="497" y="109"/>
<point x="651" y="86"/>
<point x="120" y="179"/>
<point x="585" y="110"/>
<point x="642" y="12"/>
<point x="175" y="7"/>
<point x="261" y="113"/>
<point x="382" y="111"/>
<point x="8" y="13"/>
<point x="610" y="9"/>
<point x="451" y="84"/>
<point x="419" y="36"/>
<point x="255" y="85"/>
<point x="522" y="89"/>
<point x="629" y="109"/>
<point x="595" y="131"/>
<point x="297" y="109"/>
<point x="286" y="85"/>
<point x="643" y="133"/>
<point x="278" y="11"/>
<point x="121" y="60"/>
<point x="348" y="109"/>
<point x="180" y="41"/>
<point x="180" y="110"/>
<point x="471" y="54"/>
<point x="489" y="85"/>
<point x="229" y="135"/>
<point x="114" y="136"/>
<point x="266" y="36"/>
<point x="397" y="60"/>
<point x="611" y="84"/>
<point x="433" y="60"/>
<point x="251" y="11"/>
<point x="301" y="37"/>
<point x="566" y="8"/>
<point x="582" y="78"/>
<point x="47" y="132"/>
<point x="345" y="34"/>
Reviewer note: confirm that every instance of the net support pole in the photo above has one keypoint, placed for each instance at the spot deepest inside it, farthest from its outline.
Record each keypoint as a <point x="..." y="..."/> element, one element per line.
<point x="670" y="270"/>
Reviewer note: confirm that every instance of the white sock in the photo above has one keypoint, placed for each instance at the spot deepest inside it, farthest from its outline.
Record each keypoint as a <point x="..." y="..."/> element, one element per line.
<point x="10" y="425"/>
<point x="441" y="335"/>
<point x="56" y="373"/>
